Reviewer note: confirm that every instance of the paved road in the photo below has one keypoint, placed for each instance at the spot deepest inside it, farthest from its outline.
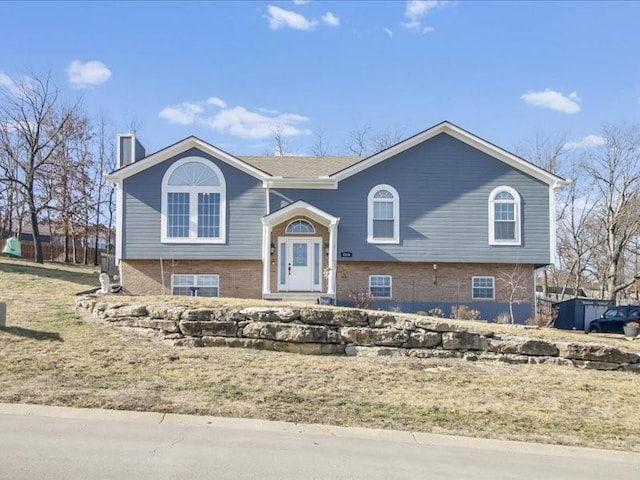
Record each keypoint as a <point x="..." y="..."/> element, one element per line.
<point x="72" y="444"/>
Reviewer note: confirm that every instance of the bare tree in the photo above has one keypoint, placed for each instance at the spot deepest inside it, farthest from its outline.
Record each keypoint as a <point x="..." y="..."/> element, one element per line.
<point x="280" y="142"/>
<point x="383" y="140"/>
<point x="547" y="152"/>
<point x="615" y="168"/>
<point x="32" y="122"/>
<point x="578" y="233"/>
<point x="515" y="283"/>
<point x="358" y="140"/>
<point x="320" y="147"/>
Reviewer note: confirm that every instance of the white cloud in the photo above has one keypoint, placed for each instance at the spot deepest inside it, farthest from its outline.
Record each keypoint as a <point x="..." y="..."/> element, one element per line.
<point x="19" y="87"/>
<point x="388" y="32"/>
<point x="83" y="75"/>
<point x="237" y="121"/>
<point x="270" y="111"/>
<point x="415" y="10"/>
<point x="589" y="141"/>
<point x="281" y="18"/>
<point x="553" y="100"/>
<point x="300" y="2"/>
<point x="419" y="8"/>
<point x="7" y="82"/>
<point x="330" y="19"/>
<point x="216" y="102"/>
<point x="184" y="114"/>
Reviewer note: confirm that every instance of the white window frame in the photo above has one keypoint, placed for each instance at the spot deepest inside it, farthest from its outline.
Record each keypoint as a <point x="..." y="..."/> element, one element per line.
<point x="396" y="215"/>
<point x="196" y="277"/>
<point x="300" y="220"/>
<point x="493" y="288"/>
<point x="390" y="286"/>
<point x="193" y="204"/>
<point x="492" y="214"/>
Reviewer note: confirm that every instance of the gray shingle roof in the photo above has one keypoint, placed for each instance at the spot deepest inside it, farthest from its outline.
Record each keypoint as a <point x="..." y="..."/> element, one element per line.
<point x="300" y="167"/>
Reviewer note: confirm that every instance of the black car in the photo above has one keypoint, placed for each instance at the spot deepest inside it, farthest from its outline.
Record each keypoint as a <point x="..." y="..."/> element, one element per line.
<point x="614" y="318"/>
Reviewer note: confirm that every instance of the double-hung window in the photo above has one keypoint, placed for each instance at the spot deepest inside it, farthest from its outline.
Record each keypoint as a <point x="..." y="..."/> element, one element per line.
<point x="193" y="203"/>
<point x="380" y="286"/>
<point x="482" y="288"/>
<point x="504" y="217"/>
<point x="383" y="212"/>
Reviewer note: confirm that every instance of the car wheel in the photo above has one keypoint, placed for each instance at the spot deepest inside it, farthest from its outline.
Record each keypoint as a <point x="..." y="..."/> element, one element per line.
<point x="594" y="329"/>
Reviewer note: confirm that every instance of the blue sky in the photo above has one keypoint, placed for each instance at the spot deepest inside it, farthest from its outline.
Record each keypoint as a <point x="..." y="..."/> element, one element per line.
<point x="232" y="72"/>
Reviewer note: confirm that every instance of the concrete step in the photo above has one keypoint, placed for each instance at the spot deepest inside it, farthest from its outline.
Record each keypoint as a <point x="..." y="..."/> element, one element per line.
<point x="304" y="297"/>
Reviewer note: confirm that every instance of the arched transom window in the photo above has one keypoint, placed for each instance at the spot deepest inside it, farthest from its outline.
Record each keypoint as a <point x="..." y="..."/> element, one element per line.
<point x="504" y="216"/>
<point x="383" y="212"/>
<point x="300" y="227"/>
<point x="193" y="202"/>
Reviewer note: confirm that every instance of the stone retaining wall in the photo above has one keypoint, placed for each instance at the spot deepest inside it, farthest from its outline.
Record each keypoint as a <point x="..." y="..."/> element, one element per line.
<point x="345" y="331"/>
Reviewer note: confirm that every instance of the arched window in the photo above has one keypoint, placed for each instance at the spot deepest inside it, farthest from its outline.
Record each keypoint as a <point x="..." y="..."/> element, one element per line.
<point x="193" y="202"/>
<point x="300" y="227"/>
<point x="504" y="217"/>
<point x="383" y="215"/>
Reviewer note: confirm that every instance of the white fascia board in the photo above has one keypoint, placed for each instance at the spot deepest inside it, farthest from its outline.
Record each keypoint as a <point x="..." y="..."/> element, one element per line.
<point x="300" y="208"/>
<point x="463" y="136"/>
<point x="182" y="146"/>
<point x="119" y="221"/>
<point x="310" y="183"/>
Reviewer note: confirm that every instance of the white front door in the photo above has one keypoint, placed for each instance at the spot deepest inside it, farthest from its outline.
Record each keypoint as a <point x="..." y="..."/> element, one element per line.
<point x="300" y="265"/>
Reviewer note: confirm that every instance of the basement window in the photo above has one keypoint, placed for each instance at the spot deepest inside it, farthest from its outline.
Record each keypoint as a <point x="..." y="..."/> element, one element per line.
<point x="195" y="285"/>
<point x="483" y="288"/>
<point x="380" y="286"/>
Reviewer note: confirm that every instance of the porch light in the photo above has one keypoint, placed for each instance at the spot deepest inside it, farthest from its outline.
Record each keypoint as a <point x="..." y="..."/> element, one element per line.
<point x="272" y="249"/>
<point x="326" y="248"/>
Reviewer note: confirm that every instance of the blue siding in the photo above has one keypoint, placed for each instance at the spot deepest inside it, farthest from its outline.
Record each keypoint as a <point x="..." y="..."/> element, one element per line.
<point x="142" y="207"/>
<point x="444" y="186"/>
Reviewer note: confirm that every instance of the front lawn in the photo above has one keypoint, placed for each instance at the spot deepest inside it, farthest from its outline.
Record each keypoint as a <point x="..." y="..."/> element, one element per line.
<point x="50" y="355"/>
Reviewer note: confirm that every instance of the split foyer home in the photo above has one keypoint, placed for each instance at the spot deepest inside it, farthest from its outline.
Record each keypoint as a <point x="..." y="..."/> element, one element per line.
<point x="437" y="220"/>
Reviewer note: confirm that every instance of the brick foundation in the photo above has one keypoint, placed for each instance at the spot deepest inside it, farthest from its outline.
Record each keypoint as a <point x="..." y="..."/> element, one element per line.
<point x="238" y="278"/>
<point x="450" y="282"/>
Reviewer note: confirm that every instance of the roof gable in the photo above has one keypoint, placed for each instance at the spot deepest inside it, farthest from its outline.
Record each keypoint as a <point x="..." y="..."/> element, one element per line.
<point x="180" y="147"/>
<point x="327" y="172"/>
<point x="462" y="135"/>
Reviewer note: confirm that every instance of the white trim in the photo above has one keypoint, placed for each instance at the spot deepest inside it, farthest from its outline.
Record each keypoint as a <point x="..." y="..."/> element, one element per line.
<point x="119" y="220"/>
<point x="132" y="149"/>
<point x="300" y="220"/>
<point x="311" y="241"/>
<point x="553" y="245"/>
<point x="303" y="209"/>
<point x="462" y="135"/>
<point x="332" y="261"/>
<point x="320" y="183"/>
<point x="180" y="147"/>
<point x="390" y="286"/>
<point x="266" y="260"/>
<point x="193" y="203"/>
<point x="493" y="281"/>
<point x="396" y="215"/>
<point x="517" y="205"/>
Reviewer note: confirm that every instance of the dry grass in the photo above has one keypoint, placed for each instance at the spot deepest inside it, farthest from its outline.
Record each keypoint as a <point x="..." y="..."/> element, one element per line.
<point x="49" y="355"/>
